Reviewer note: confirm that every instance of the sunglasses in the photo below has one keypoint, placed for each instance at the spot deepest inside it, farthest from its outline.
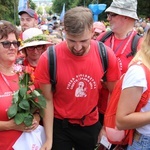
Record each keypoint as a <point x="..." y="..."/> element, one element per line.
<point x="7" y="44"/>
<point x="38" y="47"/>
<point x="110" y="15"/>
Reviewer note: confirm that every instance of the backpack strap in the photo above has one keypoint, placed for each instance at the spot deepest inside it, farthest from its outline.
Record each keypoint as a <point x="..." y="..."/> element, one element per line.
<point x="52" y="62"/>
<point x="134" y="45"/>
<point x="103" y="56"/>
<point x="143" y="101"/>
<point x="52" y="66"/>
<point x="145" y="95"/>
<point x="105" y="36"/>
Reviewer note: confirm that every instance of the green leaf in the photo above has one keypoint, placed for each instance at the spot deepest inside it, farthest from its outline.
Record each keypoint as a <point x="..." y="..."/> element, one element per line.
<point x="25" y="79"/>
<point x="34" y="104"/>
<point x="12" y="111"/>
<point x="36" y="93"/>
<point x="41" y="101"/>
<point x="29" y="96"/>
<point x="19" y="118"/>
<point x="41" y="112"/>
<point x="23" y="91"/>
<point x="24" y="104"/>
<point x="28" y="120"/>
<point x="33" y="109"/>
<point x="41" y="37"/>
<point x="15" y="97"/>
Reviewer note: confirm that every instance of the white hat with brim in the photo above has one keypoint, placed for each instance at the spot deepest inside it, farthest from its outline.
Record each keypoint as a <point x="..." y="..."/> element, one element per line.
<point x="34" y="37"/>
<point x="124" y="7"/>
<point x="34" y="43"/>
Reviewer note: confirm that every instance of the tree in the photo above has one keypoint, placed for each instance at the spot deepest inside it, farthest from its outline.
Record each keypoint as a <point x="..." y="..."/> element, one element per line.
<point x="32" y="5"/>
<point x="48" y="10"/>
<point x="9" y="10"/>
<point x="143" y="6"/>
<point x="40" y="10"/>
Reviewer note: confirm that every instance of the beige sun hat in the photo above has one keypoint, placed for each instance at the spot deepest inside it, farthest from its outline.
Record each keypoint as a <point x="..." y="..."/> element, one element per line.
<point x="34" y="37"/>
<point x="124" y="7"/>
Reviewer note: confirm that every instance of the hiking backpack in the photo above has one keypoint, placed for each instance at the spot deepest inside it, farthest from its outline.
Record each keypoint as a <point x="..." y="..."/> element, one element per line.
<point x="52" y="62"/>
<point x="115" y="136"/>
<point x="134" y="44"/>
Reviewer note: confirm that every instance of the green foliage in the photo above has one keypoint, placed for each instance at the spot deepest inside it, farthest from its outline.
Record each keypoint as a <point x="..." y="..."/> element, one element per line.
<point x="143" y="6"/>
<point x="57" y="6"/>
<point x="40" y="10"/>
<point x="27" y="100"/>
<point x="41" y="37"/>
<point x="13" y="110"/>
<point x="32" y="4"/>
<point x="48" y="10"/>
<point x="9" y="9"/>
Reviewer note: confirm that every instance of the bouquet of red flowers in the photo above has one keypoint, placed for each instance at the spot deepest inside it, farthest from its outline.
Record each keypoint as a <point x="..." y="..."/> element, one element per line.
<point x="27" y="100"/>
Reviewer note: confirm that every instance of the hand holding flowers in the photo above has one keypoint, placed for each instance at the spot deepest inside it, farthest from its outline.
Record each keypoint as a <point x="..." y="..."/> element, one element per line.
<point x="26" y="100"/>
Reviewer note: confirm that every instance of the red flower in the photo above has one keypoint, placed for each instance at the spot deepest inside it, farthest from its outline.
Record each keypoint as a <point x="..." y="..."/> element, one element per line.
<point x="29" y="70"/>
<point x="32" y="87"/>
<point x="26" y="100"/>
<point x="36" y="100"/>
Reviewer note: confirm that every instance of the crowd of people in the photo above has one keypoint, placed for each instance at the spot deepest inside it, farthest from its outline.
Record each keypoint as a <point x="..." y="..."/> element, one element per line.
<point x="74" y="113"/>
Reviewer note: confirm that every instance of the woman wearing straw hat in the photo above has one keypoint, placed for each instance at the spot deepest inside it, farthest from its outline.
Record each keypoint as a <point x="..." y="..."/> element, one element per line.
<point x="33" y="45"/>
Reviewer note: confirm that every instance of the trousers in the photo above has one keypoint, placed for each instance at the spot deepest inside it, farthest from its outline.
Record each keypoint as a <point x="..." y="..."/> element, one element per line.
<point x="67" y="136"/>
<point x="140" y="142"/>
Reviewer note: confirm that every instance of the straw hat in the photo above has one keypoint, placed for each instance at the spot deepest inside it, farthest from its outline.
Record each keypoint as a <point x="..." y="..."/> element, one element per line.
<point x="34" y="37"/>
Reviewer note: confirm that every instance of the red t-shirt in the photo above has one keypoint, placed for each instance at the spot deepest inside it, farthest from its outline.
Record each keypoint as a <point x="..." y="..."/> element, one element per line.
<point x="7" y="138"/>
<point x="78" y="82"/>
<point x="26" y="63"/>
<point x="121" y="48"/>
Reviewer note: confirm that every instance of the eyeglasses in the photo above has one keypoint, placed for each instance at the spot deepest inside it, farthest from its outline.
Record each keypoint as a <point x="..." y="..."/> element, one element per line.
<point x="96" y="35"/>
<point x="110" y="15"/>
<point x="7" y="44"/>
<point x="38" y="47"/>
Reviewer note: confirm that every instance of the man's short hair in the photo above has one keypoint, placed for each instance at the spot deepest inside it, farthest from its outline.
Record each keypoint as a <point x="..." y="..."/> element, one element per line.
<point x="77" y="20"/>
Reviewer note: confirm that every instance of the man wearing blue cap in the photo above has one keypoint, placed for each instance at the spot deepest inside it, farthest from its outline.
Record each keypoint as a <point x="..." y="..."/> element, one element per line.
<point x="28" y="19"/>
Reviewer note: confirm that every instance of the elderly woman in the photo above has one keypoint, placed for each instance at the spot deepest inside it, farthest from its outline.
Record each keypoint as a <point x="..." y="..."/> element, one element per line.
<point x="33" y="45"/>
<point x="9" y="83"/>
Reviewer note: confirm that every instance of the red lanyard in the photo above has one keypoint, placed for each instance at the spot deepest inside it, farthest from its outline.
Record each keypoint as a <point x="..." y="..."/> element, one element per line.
<point x="121" y="43"/>
<point x="6" y="81"/>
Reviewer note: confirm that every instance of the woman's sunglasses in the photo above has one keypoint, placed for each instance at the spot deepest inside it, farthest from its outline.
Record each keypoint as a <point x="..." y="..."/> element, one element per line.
<point x="7" y="44"/>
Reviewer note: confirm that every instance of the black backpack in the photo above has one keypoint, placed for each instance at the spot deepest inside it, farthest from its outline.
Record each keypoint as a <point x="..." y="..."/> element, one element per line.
<point x="52" y="63"/>
<point x="135" y="40"/>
